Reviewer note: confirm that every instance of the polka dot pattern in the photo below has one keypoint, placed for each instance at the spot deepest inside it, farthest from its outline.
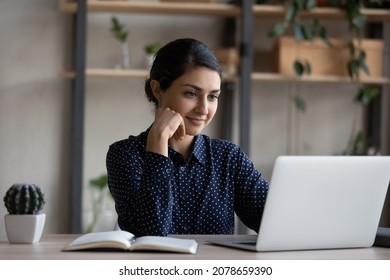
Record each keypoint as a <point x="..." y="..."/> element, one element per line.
<point x="158" y="195"/>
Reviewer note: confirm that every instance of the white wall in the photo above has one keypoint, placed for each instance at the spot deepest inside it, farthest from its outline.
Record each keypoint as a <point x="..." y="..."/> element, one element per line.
<point x="35" y="102"/>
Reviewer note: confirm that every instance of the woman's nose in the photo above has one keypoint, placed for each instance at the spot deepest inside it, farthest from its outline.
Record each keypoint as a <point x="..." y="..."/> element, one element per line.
<point x="201" y="107"/>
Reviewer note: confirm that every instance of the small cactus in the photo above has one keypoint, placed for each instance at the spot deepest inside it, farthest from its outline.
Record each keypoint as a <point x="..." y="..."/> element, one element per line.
<point x="24" y="199"/>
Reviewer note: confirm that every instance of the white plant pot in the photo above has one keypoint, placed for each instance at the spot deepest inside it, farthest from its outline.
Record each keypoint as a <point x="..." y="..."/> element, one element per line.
<point x="24" y="228"/>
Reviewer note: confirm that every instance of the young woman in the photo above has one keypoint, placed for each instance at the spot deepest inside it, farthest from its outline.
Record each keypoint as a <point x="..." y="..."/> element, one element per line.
<point x="171" y="179"/>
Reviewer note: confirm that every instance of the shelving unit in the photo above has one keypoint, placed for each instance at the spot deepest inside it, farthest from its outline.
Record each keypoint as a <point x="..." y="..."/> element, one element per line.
<point x="223" y="10"/>
<point x="246" y="12"/>
<point x="213" y="9"/>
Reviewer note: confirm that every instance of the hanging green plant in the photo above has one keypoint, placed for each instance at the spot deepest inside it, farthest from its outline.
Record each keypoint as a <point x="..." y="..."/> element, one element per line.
<point x="302" y="29"/>
<point x="310" y="29"/>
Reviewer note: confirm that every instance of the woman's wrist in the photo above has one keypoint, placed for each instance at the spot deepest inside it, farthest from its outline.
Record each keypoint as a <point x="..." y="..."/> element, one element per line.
<point x="157" y="143"/>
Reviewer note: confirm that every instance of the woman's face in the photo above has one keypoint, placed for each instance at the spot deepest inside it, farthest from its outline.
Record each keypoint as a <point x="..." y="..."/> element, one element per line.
<point x="194" y="96"/>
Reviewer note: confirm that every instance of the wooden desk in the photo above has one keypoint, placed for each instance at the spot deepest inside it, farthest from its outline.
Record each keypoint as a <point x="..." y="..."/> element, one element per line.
<point x="50" y="248"/>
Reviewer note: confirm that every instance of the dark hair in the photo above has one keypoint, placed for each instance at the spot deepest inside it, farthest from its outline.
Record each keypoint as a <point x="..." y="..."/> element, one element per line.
<point x="175" y="59"/>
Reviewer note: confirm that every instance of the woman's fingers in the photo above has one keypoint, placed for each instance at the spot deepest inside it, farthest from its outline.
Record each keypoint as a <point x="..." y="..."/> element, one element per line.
<point x="171" y="122"/>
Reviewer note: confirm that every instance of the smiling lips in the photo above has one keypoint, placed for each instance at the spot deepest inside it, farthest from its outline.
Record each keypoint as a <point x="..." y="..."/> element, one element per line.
<point x="196" y="121"/>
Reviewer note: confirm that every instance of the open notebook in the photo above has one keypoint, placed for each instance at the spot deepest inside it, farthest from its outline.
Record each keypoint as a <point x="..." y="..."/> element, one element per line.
<point x="321" y="202"/>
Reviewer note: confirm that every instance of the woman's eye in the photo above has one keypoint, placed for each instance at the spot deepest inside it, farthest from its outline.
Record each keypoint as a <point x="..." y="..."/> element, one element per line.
<point x="213" y="97"/>
<point x="190" y="94"/>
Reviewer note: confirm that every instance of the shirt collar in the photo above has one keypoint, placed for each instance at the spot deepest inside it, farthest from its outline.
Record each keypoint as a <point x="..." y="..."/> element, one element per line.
<point x="199" y="151"/>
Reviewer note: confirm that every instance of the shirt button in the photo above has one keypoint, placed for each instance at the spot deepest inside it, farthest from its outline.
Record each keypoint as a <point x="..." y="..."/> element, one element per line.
<point x="168" y="170"/>
<point x="182" y="168"/>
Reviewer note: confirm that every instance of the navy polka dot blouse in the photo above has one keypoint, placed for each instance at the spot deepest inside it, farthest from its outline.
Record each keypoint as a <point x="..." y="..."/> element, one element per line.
<point x="158" y="195"/>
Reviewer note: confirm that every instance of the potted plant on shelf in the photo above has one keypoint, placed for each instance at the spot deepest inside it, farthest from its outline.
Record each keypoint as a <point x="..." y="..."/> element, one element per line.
<point x="25" y="222"/>
<point x="151" y="50"/>
<point x="119" y="32"/>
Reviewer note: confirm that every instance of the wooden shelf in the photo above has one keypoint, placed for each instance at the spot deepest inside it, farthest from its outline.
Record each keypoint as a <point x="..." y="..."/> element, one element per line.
<point x="108" y="73"/>
<point x="120" y="73"/>
<point x="277" y="11"/>
<point x="206" y="9"/>
<point x="214" y="9"/>
<point x="275" y="77"/>
<point x="256" y="76"/>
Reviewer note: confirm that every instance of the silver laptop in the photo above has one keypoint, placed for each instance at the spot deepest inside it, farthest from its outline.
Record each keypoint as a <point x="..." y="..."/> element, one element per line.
<point x="321" y="202"/>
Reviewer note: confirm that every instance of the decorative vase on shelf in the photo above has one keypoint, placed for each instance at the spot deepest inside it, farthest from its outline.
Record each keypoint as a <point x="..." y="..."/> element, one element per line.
<point x="25" y="222"/>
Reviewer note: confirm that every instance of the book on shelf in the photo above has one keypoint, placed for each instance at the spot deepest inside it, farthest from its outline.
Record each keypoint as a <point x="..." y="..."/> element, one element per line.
<point x="126" y="241"/>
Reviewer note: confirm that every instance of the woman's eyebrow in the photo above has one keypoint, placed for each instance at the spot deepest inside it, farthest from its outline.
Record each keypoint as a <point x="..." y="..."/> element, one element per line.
<point x="199" y="88"/>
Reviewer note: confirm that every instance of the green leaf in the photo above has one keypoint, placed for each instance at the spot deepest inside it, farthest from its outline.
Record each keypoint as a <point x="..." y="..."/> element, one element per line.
<point x="277" y="30"/>
<point x="362" y="62"/>
<point x="352" y="49"/>
<point x="300" y="103"/>
<point x="115" y="23"/>
<point x="366" y="94"/>
<point x="359" y="21"/>
<point x="323" y="34"/>
<point x="353" y="68"/>
<point x="356" y="143"/>
<point x="301" y="67"/>
<point x="122" y="36"/>
<point x="362" y="56"/>
<point x="291" y="13"/>
<point x="298" y="31"/>
<point x="300" y="5"/>
<point x="315" y="24"/>
<point x="365" y="68"/>
<point x="100" y="182"/>
<point x="310" y="4"/>
<point x="308" y="32"/>
<point x="298" y="68"/>
<point x="152" y="48"/>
